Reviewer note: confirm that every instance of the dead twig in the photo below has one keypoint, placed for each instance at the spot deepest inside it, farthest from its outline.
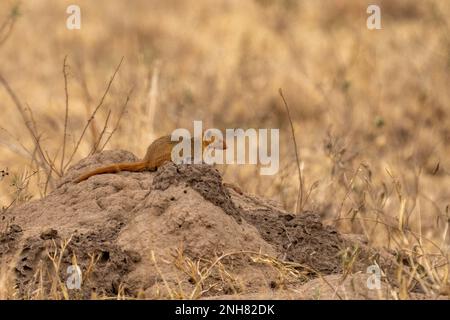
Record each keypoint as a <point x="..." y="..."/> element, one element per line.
<point x="102" y="133"/>
<point x="299" y="206"/>
<point x="91" y="118"/>
<point x="8" y="25"/>
<point x="66" y="115"/>
<point x="28" y="124"/>
<point x="122" y="112"/>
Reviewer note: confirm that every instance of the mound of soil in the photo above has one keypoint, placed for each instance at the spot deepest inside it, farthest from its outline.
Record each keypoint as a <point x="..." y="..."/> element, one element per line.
<point x="174" y="233"/>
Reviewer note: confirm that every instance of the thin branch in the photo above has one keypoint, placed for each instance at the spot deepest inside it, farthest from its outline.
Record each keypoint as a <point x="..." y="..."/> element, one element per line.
<point x="9" y="24"/>
<point x="49" y="175"/>
<point x="66" y="116"/>
<point x="299" y="205"/>
<point x="153" y="99"/>
<point x="95" y="147"/>
<point x="17" y="147"/>
<point x="87" y="96"/>
<point x="122" y="112"/>
<point x="93" y="114"/>
<point x="48" y="162"/>
<point x="26" y="120"/>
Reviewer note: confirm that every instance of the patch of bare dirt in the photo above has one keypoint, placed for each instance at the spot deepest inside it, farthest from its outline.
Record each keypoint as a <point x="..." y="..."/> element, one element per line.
<point x="209" y="186"/>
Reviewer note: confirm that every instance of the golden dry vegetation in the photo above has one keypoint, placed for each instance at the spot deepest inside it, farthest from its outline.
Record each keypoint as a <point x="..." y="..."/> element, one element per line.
<point x="370" y="109"/>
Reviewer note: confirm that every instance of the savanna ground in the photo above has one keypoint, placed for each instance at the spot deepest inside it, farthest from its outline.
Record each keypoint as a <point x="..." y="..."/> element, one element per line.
<point x="370" y="109"/>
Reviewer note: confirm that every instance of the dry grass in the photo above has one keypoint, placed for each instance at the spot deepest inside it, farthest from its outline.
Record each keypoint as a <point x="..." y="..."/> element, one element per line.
<point x="371" y="108"/>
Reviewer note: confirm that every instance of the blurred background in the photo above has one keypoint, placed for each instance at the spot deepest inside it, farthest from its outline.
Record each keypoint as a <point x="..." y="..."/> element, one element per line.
<point x="370" y="108"/>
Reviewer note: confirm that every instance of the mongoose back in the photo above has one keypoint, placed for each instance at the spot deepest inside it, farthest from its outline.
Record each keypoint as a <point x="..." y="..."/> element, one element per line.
<point x="159" y="152"/>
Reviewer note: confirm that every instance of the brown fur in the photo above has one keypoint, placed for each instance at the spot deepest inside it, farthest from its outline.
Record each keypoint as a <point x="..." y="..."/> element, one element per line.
<point x="159" y="152"/>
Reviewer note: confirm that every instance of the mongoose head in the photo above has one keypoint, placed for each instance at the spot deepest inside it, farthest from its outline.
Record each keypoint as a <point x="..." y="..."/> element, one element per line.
<point x="212" y="141"/>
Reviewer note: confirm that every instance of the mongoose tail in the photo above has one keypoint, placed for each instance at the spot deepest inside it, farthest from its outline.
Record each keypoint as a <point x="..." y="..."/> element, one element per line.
<point x="114" y="168"/>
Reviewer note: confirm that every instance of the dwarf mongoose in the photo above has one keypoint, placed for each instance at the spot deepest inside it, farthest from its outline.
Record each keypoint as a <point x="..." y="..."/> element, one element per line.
<point x="159" y="152"/>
